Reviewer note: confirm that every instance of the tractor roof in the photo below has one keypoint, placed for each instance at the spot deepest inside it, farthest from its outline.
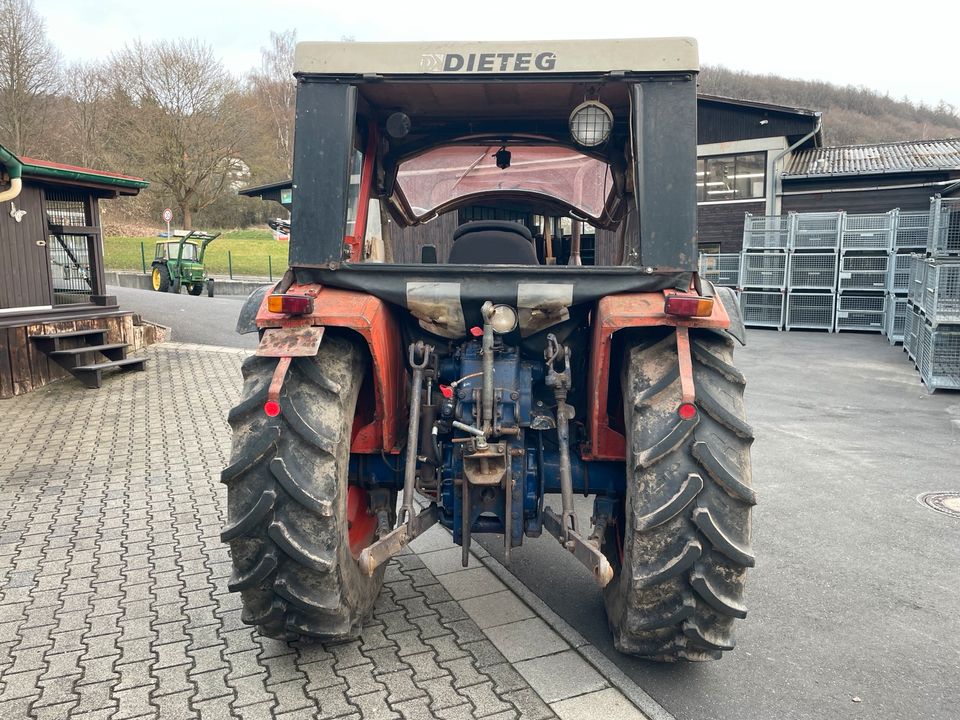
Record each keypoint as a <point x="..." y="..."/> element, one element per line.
<point x="540" y="57"/>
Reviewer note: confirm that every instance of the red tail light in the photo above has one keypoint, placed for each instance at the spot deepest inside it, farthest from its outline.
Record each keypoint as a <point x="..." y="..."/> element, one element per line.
<point x="687" y="411"/>
<point x="688" y="306"/>
<point x="290" y="304"/>
<point x="271" y="408"/>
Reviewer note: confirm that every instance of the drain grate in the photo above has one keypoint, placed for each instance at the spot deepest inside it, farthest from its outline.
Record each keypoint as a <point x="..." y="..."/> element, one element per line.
<point x="947" y="503"/>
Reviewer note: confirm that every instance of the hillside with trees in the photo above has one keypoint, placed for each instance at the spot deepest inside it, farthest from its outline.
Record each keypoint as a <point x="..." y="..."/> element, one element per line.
<point x="851" y="115"/>
<point x="172" y="112"/>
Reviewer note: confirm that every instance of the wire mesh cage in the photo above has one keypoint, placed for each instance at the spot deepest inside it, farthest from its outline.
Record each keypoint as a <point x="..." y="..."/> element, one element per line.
<point x="873" y="231"/>
<point x="861" y="312"/>
<point x="918" y="269"/>
<point x="721" y="268"/>
<point x="912" y="229"/>
<point x="941" y="291"/>
<point x="895" y="319"/>
<point x="812" y="271"/>
<point x="911" y="330"/>
<point x="762" y="308"/>
<point x="66" y="207"/>
<point x="766" y="232"/>
<point x="763" y="270"/>
<point x="938" y="356"/>
<point x="898" y="272"/>
<point x="943" y="237"/>
<point x="816" y="231"/>
<point x="814" y="311"/>
<point x="864" y="272"/>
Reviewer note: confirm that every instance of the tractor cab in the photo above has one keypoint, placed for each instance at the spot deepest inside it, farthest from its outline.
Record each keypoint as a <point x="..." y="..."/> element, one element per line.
<point x="491" y="306"/>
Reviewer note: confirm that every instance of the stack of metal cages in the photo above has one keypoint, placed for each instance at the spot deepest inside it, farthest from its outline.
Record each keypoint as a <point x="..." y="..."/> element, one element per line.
<point x="932" y="336"/>
<point x="812" y="274"/>
<point x="763" y="269"/>
<point x="866" y="244"/>
<point x="909" y="238"/>
<point x="721" y="268"/>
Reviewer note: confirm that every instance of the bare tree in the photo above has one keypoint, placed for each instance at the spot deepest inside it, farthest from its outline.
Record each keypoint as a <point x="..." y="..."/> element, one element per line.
<point x="178" y="117"/>
<point x="88" y="89"/>
<point x="276" y="90"/>
<point x="29" y="75"/>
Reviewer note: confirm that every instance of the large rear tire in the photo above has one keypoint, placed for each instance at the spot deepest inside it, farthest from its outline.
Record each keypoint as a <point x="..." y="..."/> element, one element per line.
<point x="287" y="494"/>
<point x="682" y="548"/>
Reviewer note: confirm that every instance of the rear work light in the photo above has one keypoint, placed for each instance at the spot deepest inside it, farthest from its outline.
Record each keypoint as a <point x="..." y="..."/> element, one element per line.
<point x="290" y="304"/>
<point x="688" y="306"/>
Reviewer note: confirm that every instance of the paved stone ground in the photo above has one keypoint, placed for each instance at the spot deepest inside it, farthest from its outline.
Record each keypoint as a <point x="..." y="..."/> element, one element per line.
<point x="113" y="583"/>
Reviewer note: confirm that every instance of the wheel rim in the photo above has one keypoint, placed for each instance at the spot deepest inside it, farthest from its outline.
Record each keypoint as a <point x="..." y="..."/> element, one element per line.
<point x="156" y="279"/>
<point x="361" y="523"/>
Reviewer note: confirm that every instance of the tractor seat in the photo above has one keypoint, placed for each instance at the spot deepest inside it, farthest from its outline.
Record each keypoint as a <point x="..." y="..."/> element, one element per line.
<point x="493" y="242"/>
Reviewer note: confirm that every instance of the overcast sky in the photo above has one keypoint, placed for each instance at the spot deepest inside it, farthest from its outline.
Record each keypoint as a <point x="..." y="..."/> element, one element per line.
<point x="905" y="49"/>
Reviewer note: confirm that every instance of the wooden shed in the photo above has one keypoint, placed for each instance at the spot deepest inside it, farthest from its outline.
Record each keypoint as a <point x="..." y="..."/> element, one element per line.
<point x="56" y="318"/>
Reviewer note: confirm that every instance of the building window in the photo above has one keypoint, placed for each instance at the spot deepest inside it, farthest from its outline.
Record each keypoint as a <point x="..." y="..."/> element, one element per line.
<point x="731" y="177"/>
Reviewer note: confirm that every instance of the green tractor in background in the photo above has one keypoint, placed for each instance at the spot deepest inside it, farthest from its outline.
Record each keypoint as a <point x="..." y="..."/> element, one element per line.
<point x="178" y="262"/>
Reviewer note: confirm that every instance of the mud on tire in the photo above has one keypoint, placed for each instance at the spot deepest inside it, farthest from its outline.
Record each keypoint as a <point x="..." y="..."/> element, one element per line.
<point x="286" y="495"/>
<point x="686" y="531"/>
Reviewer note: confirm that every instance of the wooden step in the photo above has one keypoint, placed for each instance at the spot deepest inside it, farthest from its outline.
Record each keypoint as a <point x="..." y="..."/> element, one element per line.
<point x="89" y="348"/>
<point x="92" y="375"/>
<point x="51" y="342"/>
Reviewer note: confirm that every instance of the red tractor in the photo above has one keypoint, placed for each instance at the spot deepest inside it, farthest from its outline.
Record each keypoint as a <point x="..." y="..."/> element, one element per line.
<point x="493" y="297"/>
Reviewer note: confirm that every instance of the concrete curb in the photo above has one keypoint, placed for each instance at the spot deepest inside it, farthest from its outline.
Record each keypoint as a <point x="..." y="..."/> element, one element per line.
<point x="141" y="281"/>
<point x="606" y="667"/>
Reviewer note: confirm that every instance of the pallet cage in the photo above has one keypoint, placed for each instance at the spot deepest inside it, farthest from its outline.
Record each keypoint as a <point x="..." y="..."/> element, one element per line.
<point x="912" y="230"/>
<point x="766" y="232"/>
<point x="898" y="272"/>
<point x="867" y="232"/>
<point x="864" y="272"/>
<point x="861" y="312"/>
<point x="911" y="330"/>
<point x="918" y="269"/>
<point x="816" y="231"/>
<point x="721" y="268"/>
<point x="762" y="308"/>
<point x="813" y="311"/>
<point x="895" y="318"/>
<point x="812" y="271"/>
<point x="763" y="270"/>
<point x="943" y="237"/>
<point x="938" y="356"/>
<point x="941" y="291"/>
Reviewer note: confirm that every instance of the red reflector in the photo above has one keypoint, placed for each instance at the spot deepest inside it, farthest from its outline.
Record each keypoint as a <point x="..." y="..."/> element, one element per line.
<point x="271" y="408"/>
<point x="446" y="391"/>
<point x="688" y="306"/>
<point x="290" y="304"/>
<point x="476" y="331"/>
<point x="687" y="411"/>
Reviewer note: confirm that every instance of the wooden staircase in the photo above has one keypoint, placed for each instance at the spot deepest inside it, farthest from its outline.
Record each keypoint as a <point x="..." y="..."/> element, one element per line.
<point x="81" y="353"/>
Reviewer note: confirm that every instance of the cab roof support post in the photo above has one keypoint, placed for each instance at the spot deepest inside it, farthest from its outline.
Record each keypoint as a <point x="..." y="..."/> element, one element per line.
<point x="665" y="149"/>
<point x="325" y="127"/>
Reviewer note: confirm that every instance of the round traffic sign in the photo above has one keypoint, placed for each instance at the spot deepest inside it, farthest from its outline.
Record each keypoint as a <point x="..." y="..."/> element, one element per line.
<point x="167" y="214"/>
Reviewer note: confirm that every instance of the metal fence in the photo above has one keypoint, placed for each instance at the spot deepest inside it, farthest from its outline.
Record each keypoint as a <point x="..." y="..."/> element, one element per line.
<point x="895" y="318"/>
<point x="767" y="232"/>
<point x="864" y="272"/>
<point x="938" y="356"/>
<point x="766" y="270"/>
<point x="816" y="231"/>
<point x="861" y="312"/>
<point x="940" y="301"/>
<point x="912" y="229"/>
<point x="874" y="231"/>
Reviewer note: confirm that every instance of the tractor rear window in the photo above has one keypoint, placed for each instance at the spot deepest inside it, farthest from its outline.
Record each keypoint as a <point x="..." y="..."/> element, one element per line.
<point x="444" y="174"/>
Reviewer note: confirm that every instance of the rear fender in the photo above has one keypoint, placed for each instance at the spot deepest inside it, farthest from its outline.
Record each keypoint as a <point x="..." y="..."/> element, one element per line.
<point x="614" y="313"/>
<point x="374" y="321"/>
<point x="247" y="321"/>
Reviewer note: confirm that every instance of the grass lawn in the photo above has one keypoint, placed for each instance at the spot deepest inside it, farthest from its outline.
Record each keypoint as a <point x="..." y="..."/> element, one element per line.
<point x="248" y="250"/>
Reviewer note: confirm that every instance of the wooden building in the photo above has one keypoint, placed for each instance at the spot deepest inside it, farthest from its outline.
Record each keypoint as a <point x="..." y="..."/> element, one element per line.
<point x="52" y="280"/>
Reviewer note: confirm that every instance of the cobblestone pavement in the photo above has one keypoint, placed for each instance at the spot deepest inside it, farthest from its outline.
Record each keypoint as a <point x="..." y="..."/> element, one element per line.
<point x="113" y="583"/>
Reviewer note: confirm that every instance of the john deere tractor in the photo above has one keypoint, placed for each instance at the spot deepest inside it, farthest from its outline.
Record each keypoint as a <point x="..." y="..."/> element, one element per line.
<point x="178" y="262"/>
<point x="492" y="304"/>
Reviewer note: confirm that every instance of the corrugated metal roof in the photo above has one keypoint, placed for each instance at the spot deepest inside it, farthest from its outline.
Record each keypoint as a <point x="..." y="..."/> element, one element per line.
<point x="914" y="156"/>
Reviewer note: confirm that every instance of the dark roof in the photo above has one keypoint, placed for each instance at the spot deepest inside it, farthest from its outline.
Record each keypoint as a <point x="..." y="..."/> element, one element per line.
<point x="33" y="167"/>
<point x="759" y="105"/>
<point x="900" y="157"/>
